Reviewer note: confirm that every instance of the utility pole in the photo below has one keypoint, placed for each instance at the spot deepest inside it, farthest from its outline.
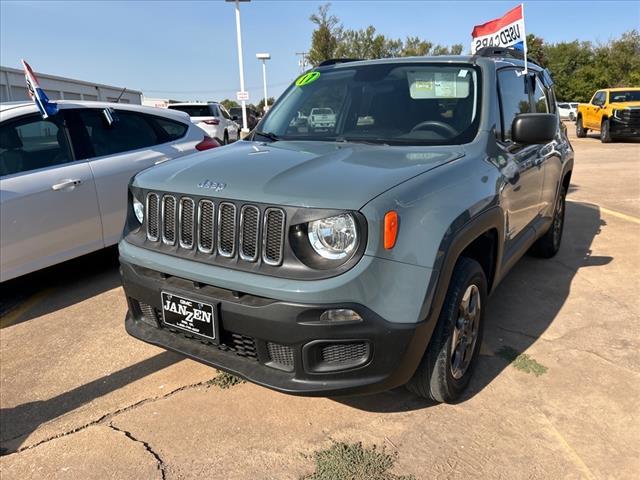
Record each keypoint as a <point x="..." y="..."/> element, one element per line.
<point x="241" y="65"/>
<point x="264" y="57"/>
<point x="303" y="61"/>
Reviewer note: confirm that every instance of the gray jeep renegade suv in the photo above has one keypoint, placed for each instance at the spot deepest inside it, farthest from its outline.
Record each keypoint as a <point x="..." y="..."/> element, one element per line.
<point x="357" y="257"/>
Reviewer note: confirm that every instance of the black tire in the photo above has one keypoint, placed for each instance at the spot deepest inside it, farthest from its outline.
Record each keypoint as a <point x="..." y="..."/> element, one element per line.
<point x="581" y="132"/>
<point x="549" y="244"/>
<point x="572" y="117"/>
<point x="225" y="140"/>
<point x="605" y="131"/>
<point x="434" y="378"/>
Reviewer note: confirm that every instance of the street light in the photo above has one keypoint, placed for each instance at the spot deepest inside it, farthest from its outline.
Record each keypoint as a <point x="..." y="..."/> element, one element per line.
<point x="264" y="57"/>
<point x="242" y="95"/>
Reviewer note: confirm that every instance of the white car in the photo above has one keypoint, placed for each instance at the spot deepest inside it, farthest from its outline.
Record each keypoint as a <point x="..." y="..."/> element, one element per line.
<point x="64" y="180"/>
<point x="321" y="119"/>
<point x="568" y="110"/>
<point x="213" y="118"/>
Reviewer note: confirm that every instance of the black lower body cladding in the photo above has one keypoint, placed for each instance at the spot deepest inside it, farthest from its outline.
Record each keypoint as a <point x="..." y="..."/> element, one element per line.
<point x="629" y="129"/>
<point x="279" y="345"/>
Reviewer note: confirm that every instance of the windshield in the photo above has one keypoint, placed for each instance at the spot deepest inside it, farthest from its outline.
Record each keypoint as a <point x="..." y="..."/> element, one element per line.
<point x="415" y="104"/>
<point x="625" y="96"/>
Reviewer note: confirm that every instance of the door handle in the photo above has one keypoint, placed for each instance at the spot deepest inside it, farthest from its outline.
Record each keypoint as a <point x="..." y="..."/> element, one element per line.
<point x="66" y="184"/>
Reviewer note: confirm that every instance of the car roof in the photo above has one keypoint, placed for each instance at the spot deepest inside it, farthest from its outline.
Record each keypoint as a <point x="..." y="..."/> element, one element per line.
<point x="29" y="107"/>
<point x="498" y="61"/>
<point x="619" y="89"/>
<point x="188" y="104"/>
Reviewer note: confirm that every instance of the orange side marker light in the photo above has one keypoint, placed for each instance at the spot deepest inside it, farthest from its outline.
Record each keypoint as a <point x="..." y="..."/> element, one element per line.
<point x="390" y="229"/>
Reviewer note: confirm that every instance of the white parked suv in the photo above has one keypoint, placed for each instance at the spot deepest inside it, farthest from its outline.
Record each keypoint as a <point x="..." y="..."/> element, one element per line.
<point x="568" y="110"/>
<point x="64" y="179"/>
<point x="212" y="117"/>
<point x="321" y="118"/>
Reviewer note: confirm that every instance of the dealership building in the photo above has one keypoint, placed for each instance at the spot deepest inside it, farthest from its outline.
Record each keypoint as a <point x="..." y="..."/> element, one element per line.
<point x="13" y="88"/>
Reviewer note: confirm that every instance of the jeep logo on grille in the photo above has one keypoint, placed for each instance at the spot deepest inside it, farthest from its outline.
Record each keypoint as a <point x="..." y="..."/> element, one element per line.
<point x="217" y="186"/>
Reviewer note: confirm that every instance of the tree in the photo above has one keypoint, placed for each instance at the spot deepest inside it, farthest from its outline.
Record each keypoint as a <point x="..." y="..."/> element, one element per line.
<point x="324" y="39"/>
<point x="536" y="49"/>
<point x="227" y="103"/>
<point x="331" y="40"/>
<point x="260" y="104"/>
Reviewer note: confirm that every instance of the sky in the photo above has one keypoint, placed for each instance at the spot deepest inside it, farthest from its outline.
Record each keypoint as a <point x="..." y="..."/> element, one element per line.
<point x="186" y="50"/>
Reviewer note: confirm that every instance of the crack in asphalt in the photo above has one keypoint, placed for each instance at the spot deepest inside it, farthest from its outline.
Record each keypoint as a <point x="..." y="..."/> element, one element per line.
<point x="147" y="447"/>
<point x="107" y="417"/>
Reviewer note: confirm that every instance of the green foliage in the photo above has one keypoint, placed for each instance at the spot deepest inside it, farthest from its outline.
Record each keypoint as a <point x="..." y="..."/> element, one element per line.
<point x="354" y="462"/>
<point x="578" y="68"/>
<point x="581" y="68"/>
<point x="227" y="103"/>
<point x="522" y="361"/>
<point x="225" y="380"/>
<point x="331" y="40"/>
<point x="260" y="105"/>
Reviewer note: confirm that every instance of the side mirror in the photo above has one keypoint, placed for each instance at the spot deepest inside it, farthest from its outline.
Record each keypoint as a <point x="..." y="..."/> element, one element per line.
<point x="534" y="128"/>
<point x="234" y="118"/>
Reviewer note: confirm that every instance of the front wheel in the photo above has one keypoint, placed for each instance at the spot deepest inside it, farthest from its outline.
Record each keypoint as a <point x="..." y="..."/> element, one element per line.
<point x="572" y="116"/>
<point x="225" y="140"/>
<point x="447" y="365"/>
<point x="605" y="131"/>
<point x="581" y="132"/>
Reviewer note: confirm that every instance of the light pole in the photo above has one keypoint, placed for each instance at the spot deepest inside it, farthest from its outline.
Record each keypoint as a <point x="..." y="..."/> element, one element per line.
<point x="242" y="96"/>
<point x="264" y="57"/>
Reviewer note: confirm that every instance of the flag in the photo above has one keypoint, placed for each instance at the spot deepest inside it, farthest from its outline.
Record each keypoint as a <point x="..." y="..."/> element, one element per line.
<point x="506" y="31"/>
<point x="36" y="93"/>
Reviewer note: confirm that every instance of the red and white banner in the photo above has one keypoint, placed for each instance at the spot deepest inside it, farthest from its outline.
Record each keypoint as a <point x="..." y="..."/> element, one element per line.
<point x="506" y="31"/>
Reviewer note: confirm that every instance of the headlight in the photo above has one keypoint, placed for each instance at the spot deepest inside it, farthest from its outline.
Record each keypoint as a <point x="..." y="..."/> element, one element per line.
<point x="334" y="238"/>
<point x="138" y="209"/>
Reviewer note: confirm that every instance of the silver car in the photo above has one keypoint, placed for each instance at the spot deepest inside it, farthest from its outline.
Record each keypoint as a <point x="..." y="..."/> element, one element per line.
<point x="63" y="180"/>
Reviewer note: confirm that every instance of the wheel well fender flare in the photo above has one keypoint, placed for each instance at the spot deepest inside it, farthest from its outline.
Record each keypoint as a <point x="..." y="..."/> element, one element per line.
<point x="454" y="242"/>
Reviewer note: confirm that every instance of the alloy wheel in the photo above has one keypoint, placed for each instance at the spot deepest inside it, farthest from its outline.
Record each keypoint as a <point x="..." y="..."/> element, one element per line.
<point x="465" y="332"/>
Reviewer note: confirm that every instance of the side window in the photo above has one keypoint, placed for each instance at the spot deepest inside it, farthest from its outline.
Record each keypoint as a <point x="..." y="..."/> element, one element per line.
<point x="173" y="130"/>
<point x="541" y="103"/>
<point x="32" y="143"/>
<point x="514" y="99"/>
<point x="598" y="99"/>
<point x="130" y="132"/>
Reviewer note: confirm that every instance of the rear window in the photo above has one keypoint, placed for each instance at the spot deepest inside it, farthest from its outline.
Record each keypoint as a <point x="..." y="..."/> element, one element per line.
<point x="193" y="110"/>
<point x="173" y="130"/>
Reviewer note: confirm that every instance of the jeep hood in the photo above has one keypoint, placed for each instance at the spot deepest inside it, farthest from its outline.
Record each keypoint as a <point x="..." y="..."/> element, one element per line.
<point x="297" y="173"/>
<point x="623" y="105"/>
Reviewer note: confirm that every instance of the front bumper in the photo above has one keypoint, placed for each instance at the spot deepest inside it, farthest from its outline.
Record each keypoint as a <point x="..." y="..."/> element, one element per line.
<point x="278" y="344"/>
<point x="624" y="129"/>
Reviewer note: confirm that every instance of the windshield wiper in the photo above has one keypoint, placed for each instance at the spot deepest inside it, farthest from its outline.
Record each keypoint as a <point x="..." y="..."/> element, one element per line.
<point x="271" y="136"/>
<point x="366" y="141"/>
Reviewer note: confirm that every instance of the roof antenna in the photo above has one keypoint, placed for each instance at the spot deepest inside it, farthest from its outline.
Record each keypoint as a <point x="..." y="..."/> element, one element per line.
<point x="121" y="93"/>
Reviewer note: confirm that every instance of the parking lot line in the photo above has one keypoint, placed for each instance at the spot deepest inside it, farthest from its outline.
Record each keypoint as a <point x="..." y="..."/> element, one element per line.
<point x="613" y="213"/>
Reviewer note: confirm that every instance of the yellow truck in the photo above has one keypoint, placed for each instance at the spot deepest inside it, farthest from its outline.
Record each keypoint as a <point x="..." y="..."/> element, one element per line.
<point x="614" y="112"/>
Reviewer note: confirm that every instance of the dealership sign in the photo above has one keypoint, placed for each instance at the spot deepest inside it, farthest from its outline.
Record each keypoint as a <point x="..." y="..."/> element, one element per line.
<point x="506" y="31"/>
<point x="242" y="96"/>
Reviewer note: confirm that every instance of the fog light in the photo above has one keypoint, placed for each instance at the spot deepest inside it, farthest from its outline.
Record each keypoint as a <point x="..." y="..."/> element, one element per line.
<point x="340" y="315"/>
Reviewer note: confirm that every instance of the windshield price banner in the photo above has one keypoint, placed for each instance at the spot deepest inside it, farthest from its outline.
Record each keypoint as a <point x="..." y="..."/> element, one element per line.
<point x="507" y="31"/>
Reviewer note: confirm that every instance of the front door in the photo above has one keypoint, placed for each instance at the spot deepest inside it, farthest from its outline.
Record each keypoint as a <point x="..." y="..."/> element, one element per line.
<point x="522" y="167"/>
<point x="48" y="201"/>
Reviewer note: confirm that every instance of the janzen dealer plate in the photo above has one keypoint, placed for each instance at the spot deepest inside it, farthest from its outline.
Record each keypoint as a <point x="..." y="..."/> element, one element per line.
<point x="189" y="315"/>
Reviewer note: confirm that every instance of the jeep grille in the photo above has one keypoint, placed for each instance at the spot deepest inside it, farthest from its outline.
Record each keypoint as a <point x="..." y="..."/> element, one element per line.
<point x="226" y="229"/>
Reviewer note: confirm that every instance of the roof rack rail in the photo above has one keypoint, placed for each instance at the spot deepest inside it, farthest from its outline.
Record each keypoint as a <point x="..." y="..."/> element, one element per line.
<point x="334" y="61"/>
<point x="503" y="52"/>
